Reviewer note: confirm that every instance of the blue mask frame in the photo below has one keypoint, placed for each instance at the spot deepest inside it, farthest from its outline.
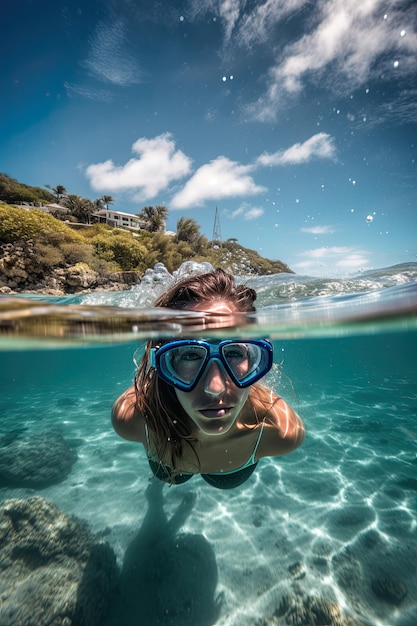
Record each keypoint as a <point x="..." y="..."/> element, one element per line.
<point x="213" y="351"/>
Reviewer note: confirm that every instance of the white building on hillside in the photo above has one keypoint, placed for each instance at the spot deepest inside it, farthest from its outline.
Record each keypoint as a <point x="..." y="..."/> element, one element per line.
<point x="117" y="218"/>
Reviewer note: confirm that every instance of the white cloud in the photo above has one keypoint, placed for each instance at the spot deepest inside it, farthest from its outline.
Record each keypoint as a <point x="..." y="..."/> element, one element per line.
<point x="332" y="261"/>
<point x="247" y="212"/>
<point x="346" y="40"/>
<point x="221" y="178"/>
<point x="256" y="27"/>
<point x="102" y="95"/>
<point x="320" y="145"/>
<point x="253" y="213"/>
<point x="230" y="12"/>
<point x="242" y="25"/>
<point x="157" y="165"/>
<point x="108" y="59"/>
<point x="345" y="43"/>
<point x="319" y="230"/>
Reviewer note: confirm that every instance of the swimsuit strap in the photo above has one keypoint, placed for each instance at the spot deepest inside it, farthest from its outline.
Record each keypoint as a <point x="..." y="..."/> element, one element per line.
<point x="148" y="443"/>
<point x="251" y="459"/>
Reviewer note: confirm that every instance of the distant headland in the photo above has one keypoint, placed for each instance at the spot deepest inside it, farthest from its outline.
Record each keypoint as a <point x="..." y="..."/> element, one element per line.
<point x="58" y="243"/>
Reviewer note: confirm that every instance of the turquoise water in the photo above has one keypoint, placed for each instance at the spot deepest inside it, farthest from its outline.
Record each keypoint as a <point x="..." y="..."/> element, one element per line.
<point x="336" y="520"/>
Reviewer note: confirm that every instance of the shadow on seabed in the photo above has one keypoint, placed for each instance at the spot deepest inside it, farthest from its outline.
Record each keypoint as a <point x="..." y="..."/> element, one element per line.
<point x="167" y="578"/>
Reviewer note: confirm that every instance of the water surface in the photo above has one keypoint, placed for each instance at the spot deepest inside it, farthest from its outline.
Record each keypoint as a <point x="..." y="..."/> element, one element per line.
<point x="335" y="520"/>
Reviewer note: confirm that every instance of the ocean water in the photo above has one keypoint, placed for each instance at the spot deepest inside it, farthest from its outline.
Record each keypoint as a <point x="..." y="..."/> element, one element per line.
<point x="333" y="522"/>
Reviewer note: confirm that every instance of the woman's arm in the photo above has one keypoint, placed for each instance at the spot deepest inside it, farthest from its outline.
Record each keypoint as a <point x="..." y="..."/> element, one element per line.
<point x="284" y="430"/>
<point x="127" y="420"/>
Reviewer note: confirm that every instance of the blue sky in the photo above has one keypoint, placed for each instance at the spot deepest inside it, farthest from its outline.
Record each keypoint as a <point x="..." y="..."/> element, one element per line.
<point x="297" y="119"/>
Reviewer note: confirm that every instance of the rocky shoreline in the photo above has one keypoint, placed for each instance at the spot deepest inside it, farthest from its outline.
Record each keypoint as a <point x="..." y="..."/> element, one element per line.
<point x="20" y="272"/>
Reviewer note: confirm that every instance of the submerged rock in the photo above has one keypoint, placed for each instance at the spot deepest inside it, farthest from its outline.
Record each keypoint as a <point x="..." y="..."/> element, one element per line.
<point x="316" y="611"/>
<point x="389" y="589"/>
<point x="34" y="460"/>
<point x="297" y="570"/>
<point x="52" y="571"/>
<point x="308" y="611"/>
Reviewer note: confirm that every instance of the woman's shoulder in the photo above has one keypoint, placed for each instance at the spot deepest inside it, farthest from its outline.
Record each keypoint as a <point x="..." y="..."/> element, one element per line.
<point x="128" y="421"/>
<point x="283" y="429"/>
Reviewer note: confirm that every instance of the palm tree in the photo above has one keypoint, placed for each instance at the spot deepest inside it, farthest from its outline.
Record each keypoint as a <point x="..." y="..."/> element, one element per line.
<point x="188" y="231"/>
<point x="155" y="217"/>
<point x="106" y="200"/>
<point x="79" y="207"/>
<point x="59" y="191"/>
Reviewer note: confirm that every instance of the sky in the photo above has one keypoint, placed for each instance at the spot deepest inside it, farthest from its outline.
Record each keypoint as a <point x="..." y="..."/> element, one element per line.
<point x="297" y="120"/>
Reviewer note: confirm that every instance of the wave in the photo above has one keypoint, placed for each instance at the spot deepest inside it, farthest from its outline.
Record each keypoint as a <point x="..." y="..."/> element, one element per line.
<point x="288" y="305"/>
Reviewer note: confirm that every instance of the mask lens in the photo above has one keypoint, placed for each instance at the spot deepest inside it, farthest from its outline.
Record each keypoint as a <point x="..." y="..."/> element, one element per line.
<point x="243" y="359"/>
<point x="184" y="363"/>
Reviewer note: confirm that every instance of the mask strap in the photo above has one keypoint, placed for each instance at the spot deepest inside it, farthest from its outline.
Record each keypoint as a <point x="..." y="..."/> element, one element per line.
<point x="138" y="356"/>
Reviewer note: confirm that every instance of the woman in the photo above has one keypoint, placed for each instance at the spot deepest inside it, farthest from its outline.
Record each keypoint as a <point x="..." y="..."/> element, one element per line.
<point x="197" y="406"/>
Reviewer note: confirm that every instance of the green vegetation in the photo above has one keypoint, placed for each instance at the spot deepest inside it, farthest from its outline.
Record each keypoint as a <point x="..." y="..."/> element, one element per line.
<point x="12" y="191"/>
<point x="56" y="245"/>
<point x="17" y="224"/>
<point x="116" y="249"/>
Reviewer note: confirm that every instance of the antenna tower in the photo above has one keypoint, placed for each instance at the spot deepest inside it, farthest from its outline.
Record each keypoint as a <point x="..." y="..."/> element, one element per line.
<point x="217" y="235"/>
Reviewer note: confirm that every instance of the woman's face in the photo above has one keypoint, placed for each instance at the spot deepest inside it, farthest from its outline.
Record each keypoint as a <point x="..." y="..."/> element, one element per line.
<point x="215" y="402"/>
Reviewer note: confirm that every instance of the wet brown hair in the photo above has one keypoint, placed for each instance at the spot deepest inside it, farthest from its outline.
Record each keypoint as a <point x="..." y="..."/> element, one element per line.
<point x="215" y="285"/>
<point x="168" y="424"/>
